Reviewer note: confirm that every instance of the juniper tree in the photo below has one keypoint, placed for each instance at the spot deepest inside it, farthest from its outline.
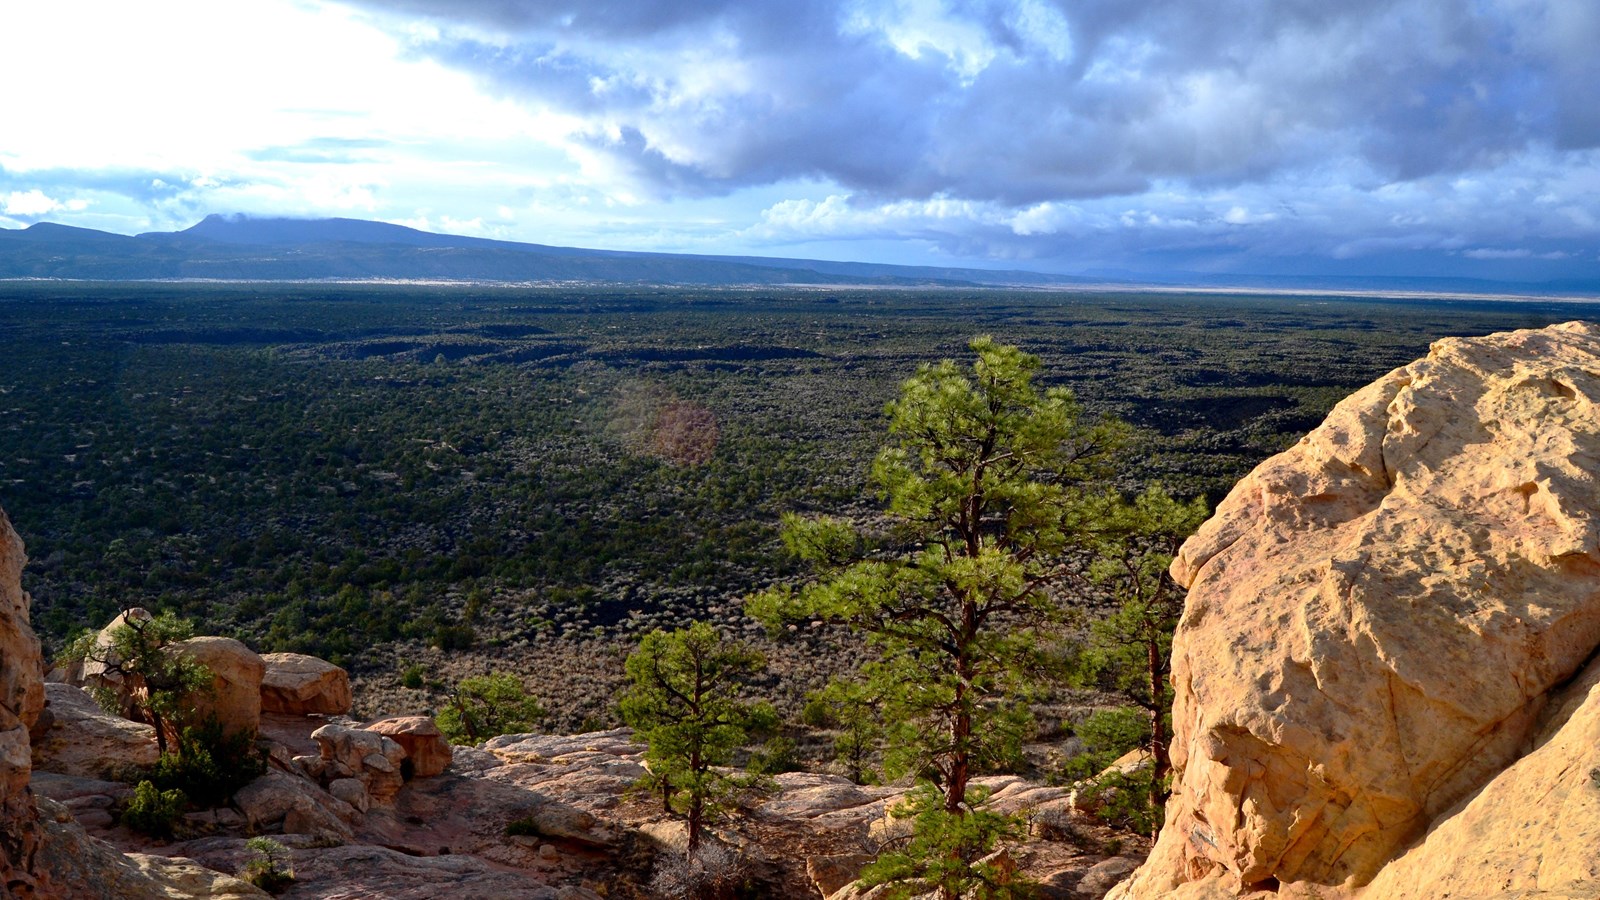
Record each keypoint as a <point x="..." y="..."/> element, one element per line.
<point x="985" y="481"/>
<point x="139" y="650"/>
<point x="687" y="704"/>
<point x="483" y="706"/>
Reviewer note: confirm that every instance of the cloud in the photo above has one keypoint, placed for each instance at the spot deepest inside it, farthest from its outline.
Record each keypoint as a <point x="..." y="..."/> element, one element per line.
<point x="28" y="204"/>
<point x="1027" y="101"/>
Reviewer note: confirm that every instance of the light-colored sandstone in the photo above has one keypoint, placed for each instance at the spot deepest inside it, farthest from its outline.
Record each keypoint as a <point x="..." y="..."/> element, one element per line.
<point x="427" y="753"/>
<point x="235" y="694"/>
<point x="85" y="740"/>
<point x="1375" y="618"/>
<point x="303" y="685"/>
<point x="100" y="671"/>
<point x="367" y="755"/>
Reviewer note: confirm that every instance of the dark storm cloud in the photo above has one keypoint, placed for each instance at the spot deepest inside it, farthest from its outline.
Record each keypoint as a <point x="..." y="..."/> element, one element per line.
<point x="1018" y="108"/>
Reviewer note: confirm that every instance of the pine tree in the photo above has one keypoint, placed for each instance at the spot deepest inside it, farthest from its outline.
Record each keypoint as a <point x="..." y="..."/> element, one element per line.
<point x="986" y="480"/>
<point x="687" y="703"/>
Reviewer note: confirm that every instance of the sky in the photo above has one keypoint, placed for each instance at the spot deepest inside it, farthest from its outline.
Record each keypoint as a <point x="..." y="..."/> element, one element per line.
<point x="1383" y="137"/>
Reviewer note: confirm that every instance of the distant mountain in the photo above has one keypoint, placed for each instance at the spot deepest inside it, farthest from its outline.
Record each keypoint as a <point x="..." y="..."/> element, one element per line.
<point x="237" y="248"/>
<point x="240" y="248"/>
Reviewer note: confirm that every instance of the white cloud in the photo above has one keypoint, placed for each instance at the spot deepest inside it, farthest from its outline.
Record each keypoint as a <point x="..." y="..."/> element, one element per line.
<point x="28" y="204"/>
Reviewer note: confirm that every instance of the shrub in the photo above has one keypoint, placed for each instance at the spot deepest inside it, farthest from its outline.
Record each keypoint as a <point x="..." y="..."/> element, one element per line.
<point x="484" y="706"/>
<point x="944" y="851"/>
<point x="153" y="811"/>
<point x="1123" y="800"/>
<point x="268" y="868"/>
<point x="1106" y="735"/>
<point x="711" y="872"/>
<point x="526" y="826"/>
<point x="209" y="766"/>
<point x="774" y="757"/>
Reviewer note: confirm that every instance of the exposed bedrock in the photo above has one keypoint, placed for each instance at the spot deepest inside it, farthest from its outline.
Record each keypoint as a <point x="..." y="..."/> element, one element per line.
<point x="21" y="701"/>
<point x="1381" y="621"/>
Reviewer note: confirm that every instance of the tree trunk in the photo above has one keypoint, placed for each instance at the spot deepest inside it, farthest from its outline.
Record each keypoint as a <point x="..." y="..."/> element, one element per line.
<point x="696" y="801"/>
<point x="1160" y="757"/>
<point x="696" y="810"/>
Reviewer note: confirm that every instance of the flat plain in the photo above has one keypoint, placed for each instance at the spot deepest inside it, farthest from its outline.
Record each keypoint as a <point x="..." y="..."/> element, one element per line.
<point x="423" y="481"/>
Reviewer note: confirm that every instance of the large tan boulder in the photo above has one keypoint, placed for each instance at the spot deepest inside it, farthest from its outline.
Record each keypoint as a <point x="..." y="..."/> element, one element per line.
<point x="100" y="670"/>
<point x="21" y="702"/>
<point x="1375" y="622"/>
<point x="427" y="751"/>
<point x="87" y="741"/>
<point x="235" y="693"/>
<point x="304" y="685"/>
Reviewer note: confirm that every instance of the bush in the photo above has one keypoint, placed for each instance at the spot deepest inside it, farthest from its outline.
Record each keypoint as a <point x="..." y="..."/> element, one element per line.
<point x="774" y="757"/>
<point x="269" y="867"/>
<point x="209" y="766"/>
<point x="711" y="872"/>
<point x="526" y="826"/>
<point x="1123" y="800"/>
<point x="944" y="850"/>
<point x="1106" y="736"/>
<point x="484" y="706"/>
<point x="153" y="811"/>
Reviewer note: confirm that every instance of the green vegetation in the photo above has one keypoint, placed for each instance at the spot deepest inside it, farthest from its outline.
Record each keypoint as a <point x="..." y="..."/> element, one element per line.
<point x="287" y="463"/>
<point x="208" y="765"/>
<point x="1129" y="651"/>
<point x="946" y="853"/>
<point x="268" y="867"/>
<point x="984" y="482"/>
<point x="139" y="655"/>
<point x="851" y="708"/>
<point x="153" y="811"/>
<point x="989" y="485"/>
<point x="687" y="703"/>
<point x="483" y="706"/>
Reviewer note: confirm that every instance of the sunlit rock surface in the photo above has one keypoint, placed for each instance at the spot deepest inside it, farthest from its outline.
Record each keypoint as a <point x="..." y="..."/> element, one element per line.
<point x="1381" y="620"/>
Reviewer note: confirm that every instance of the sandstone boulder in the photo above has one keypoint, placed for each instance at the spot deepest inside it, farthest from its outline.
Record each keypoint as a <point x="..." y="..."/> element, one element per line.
<point x="829" y="874"/>
<point x="99" y="671"/>
<point x="427" y="753"/>
<point x="358" y="753"/>
<point x="236" y="670"/>
<point x="85" y="740"/>
<point x="1375" y="620"/>
<point x="294" y="805"/>
<point x="304" y="685"/>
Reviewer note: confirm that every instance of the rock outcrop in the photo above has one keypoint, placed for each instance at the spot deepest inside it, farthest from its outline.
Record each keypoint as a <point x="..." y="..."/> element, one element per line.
<point x="302" y="685"/>
<point x="87" y="741"/>
<point x="234" y="696"/>
<point x="427" y="752"/>
<point x="100" y="671"/>
<point x="367" y="756"/>
<point x="1383" y="619"/>
<point x="21" y="702"/>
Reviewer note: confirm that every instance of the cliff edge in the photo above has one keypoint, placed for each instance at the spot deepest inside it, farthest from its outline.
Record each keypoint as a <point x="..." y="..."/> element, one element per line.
<point x="1383" y="673"/>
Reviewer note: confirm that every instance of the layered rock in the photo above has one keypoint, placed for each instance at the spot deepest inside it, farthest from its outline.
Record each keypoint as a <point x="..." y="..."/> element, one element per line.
<point x="302" y="685"/>
<point x="21" y="702"/>
<point x="427" y="753"/>
<point x="356" y="753"/>
<point x="1376" y="621"/>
